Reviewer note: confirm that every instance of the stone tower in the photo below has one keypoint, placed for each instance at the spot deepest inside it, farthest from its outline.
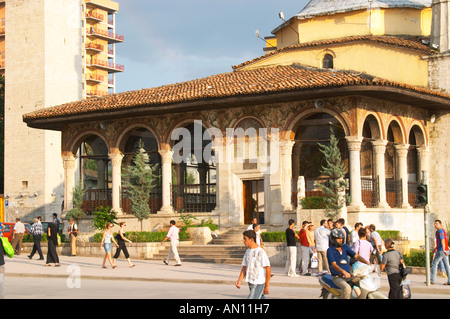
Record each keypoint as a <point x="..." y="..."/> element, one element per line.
<point x="43" y="41"/>
<point x="439" y="125"/>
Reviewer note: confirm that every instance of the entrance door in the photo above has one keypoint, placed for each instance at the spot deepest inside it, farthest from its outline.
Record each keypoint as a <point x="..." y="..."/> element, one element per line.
<point x="253" y="200"/>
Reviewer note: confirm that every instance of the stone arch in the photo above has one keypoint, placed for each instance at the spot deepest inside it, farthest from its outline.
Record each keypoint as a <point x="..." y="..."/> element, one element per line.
<point x="310" y="130"/>
<point x="78" y="139"/>
<point x="293" y="122"/>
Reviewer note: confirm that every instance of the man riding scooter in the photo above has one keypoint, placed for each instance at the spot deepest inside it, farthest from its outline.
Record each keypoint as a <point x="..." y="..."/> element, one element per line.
<point x="338" y="259"/>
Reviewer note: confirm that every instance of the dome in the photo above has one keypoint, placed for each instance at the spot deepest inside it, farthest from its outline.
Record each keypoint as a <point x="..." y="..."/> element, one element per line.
<point x="327" y="7"/>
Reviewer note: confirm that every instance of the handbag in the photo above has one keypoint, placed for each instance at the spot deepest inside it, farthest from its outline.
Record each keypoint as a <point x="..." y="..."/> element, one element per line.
<point x="7" y="247"/>
<point x="59" y="239"/>
<point x="402" y="270"/>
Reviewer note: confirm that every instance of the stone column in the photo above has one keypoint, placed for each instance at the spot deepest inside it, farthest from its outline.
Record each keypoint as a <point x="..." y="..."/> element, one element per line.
<point x="401" y="152"/>
<point x="166" y="169"/>
<point x="286" y="174"/>
<point x="379" y="148"/>
<point x="422" y="161"/>
<point x="116" y="165"/>
<point x="69" y="181"/>
<point x="354" y="148"/>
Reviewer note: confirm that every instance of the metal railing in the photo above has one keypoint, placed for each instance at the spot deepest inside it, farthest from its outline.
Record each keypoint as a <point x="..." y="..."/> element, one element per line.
<point x="394" y="193"/>
<point x="369" y="191"/>
<point x="193" y="197"/>
<point x="94" y="198"/>
<point x="154" y="202"/>
<point x="412" y="194"/>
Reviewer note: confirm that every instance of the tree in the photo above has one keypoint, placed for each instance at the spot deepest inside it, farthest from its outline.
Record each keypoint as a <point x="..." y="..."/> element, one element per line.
<point x="140" y="182"/>
<point x="334" y="169"/>
<point x="103" y="216"/>
<point x="77" y="211"/>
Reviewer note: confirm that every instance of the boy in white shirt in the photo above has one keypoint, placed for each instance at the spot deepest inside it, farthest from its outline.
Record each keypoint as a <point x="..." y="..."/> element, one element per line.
<point x="255" y="268"/>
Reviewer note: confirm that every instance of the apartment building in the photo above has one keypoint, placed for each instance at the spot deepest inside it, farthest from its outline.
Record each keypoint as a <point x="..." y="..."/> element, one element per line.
<point x="99" y="42"/>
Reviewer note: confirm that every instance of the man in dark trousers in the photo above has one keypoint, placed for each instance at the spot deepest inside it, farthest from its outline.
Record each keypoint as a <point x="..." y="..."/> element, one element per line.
<point x="37" y="230"/>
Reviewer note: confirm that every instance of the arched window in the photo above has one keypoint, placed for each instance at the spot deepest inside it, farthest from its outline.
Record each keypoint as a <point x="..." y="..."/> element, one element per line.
<point x="327" y="62"/>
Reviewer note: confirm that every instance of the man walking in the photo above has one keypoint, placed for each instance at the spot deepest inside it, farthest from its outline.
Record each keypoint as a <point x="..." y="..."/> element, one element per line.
<point x="440" y="252"/>
<point x="17" y="236"/>
<point x="291" y="250"/>
<point x="304" y="249"/>
<point x="73" y="232"/>
<point x="172" y="235"/>
<point x="255" y="268"/>
<point x="321" y="239"/>
<point x="37" y="230"/>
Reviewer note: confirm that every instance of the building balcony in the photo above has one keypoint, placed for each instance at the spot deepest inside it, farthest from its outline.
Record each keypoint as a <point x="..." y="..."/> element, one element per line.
<point x="94" y="16"/>
<point x="92" y="46"/>
<point x="105" y="35"/>
<point x="105" y="65"/>
<point x="106" y="5"/>
<point x="95" y="93"/>
<point x="92" y="77"/>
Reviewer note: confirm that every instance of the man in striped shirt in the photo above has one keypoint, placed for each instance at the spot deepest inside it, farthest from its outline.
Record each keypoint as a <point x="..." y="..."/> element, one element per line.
<point x="37" y="230"/>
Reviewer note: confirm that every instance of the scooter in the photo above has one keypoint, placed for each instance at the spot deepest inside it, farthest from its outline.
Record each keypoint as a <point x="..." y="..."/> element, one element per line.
<point x="364" y="286"/>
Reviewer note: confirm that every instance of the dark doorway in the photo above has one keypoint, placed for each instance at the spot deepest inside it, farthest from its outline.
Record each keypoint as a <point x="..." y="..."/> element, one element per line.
<point x="253" y="194"/>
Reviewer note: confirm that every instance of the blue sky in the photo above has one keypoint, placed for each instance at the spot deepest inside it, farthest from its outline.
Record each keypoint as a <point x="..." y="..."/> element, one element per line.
<point x="169" y="41"/>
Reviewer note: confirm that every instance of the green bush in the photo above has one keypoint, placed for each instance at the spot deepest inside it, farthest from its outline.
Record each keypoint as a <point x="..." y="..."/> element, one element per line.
<point x="207" y="223"/>
<point x="28" y="238"/>
<point x="313" y="202"/>
<point x="144" y="237"/>
<point x="417" y="258"/>
<point x="392" y="234"/>
<point x="273" y="237"/>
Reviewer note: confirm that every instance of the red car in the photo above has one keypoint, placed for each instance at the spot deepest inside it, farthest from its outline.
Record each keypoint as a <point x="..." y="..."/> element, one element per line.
<point x="9" y="227"/>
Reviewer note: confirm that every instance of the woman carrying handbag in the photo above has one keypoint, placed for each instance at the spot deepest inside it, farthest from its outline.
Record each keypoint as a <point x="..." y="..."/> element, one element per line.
<point x="395" y="268"/>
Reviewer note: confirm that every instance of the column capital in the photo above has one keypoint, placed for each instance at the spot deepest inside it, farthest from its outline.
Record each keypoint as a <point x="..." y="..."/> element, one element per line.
<point x="286" y="146"/>
<point x="116" y="158"/>
<point x="401" y="149"/>
<point x="166" y="155"/>
<point x="354" y="143"/>
<point x="379" y="146"/>
<point x="68" y="161"/>
<point x="423" y="149"/>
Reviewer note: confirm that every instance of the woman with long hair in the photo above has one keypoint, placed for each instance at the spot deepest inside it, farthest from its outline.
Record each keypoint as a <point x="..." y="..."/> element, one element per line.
<point x="106" y="244"/>
<point x="122" y="247"/>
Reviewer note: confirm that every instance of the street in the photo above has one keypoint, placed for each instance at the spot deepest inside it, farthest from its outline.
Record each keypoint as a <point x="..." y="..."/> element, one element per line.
<point x="57" y="288"/>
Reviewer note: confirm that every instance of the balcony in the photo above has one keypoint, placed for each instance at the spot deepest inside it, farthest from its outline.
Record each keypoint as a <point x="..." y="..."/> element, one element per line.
<point x="94" y="16"/>
<point x="93" y="77"/>
<point x="109" y="6"/>
<point x="105" y="35"/>
<point x="105" y="65"/>
<point x="95" y="93"/>
<point x="92" y="46"/>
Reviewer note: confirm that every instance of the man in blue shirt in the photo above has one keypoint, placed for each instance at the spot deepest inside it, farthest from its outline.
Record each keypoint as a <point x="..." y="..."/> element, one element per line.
<point x="337" y="256"/>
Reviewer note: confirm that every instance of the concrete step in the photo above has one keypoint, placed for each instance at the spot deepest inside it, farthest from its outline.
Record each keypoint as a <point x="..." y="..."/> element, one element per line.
<point x="229" y="254"/>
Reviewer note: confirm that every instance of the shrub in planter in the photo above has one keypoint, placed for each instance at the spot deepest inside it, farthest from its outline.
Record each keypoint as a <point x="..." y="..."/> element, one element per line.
<point x="313" y="202"/>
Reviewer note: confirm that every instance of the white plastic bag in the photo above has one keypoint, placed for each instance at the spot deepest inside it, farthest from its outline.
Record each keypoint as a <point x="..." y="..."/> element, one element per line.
<point x="406" y="288"/>
<point x="314" y="261"/>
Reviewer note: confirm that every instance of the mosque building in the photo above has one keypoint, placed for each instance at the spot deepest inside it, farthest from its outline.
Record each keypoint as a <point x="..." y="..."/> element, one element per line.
<point x="244" y="144"/>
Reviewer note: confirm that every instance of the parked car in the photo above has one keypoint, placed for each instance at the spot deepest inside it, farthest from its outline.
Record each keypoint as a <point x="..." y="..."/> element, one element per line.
<point x="7" y="231"/>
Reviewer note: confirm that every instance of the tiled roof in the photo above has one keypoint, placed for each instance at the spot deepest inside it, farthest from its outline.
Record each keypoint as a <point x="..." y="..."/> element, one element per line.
<point x="255" y="82"/>
<point x="410" y="43"/>
<point x="326" y="7"/>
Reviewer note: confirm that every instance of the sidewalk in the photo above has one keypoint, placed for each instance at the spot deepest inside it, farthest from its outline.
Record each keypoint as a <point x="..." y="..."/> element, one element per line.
<point x="203" y="273"/>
